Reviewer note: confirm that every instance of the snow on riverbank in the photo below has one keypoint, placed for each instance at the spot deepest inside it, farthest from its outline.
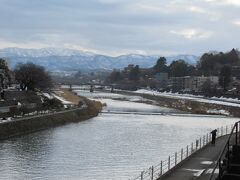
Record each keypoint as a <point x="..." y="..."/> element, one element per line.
<point x="213" y="100"/>
<point x="65" y="102"/>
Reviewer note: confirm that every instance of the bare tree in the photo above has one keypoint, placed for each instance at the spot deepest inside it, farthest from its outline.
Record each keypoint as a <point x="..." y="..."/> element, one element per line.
<point x="4" y="73"/>
<point x="31" y="77"/>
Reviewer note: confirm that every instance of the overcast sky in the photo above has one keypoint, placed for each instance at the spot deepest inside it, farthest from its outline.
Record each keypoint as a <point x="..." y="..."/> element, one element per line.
<point x="113" y="27"/>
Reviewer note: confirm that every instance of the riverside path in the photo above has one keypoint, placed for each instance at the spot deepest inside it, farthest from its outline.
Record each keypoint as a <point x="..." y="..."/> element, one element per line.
<point x="199" y="165"/>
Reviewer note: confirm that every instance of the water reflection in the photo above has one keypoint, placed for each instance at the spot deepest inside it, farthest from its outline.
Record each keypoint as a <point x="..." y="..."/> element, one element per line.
<point x="108" y="147"/>
<point x="27" y="152"/>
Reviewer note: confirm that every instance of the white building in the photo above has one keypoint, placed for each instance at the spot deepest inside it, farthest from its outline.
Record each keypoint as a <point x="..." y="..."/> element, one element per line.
<point x="191" y="83"/>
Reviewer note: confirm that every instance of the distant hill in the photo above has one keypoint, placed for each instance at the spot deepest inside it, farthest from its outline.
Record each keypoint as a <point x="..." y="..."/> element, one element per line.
<point x="55" y="59"/>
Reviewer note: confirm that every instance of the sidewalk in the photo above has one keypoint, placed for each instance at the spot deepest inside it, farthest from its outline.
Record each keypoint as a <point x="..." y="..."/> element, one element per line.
<point x="199" y="165"/>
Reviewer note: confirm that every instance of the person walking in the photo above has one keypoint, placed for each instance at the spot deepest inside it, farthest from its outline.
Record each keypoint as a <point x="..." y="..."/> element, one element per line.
<point x="214" y="134"/>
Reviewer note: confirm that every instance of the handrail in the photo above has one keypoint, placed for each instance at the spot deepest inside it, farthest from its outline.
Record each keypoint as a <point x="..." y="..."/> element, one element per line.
<point x="226" y="146"/>
<point x="155" y="172"/>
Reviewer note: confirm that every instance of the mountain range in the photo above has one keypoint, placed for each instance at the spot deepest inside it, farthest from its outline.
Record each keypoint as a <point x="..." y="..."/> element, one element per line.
<point x="57" y="59"/>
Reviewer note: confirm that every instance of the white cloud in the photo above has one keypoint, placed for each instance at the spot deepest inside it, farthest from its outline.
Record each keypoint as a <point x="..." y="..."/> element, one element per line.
<point x="232" y="2"/>
<point x="192" y="33"/>
<point x="197" y="9"/>
<point x="225" y="2"/>
<point x="236" y="22"/>
<point x="121" y="26"/>
<point x="29" y="45"/>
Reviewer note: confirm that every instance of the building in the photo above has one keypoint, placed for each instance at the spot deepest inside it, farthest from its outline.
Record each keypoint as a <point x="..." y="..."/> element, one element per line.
<point x="188" y="83"/>
<point x="129" y="68"/>
<point x="198" y="83"/>
<point x="213" y="79"/>
<point x="236" y="71"/>
<point x="162" y="79"/>
<point x="191" y="83"/>
<point x="176" y="83"/>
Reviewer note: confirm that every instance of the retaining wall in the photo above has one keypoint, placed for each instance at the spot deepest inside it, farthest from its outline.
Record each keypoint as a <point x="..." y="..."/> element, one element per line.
<point x="39" y="122"/>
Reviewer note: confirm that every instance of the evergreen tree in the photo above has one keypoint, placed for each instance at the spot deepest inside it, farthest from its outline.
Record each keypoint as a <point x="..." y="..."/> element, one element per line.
<point x="161" y="65"/>
<point x="178" y="68"/>
<point x="134" y="74"/>
<point x="225" y="77"/>
<point x="115" y="76"/>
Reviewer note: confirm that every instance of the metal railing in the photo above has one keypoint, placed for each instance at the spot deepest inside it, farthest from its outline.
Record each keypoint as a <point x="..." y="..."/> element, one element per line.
<point x="223" y="161"/>
<point x="157" y="171"/>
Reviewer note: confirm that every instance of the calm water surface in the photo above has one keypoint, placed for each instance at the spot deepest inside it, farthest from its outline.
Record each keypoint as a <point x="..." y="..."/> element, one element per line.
<point x="108" y="147"/>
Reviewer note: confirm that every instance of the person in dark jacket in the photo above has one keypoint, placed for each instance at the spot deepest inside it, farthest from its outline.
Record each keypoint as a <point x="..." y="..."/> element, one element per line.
<point x="214" y="134"/>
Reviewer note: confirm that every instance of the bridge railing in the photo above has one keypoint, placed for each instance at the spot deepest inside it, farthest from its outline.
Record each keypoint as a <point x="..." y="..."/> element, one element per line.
<point x="224" y="158"/>
<point x="157" y="171"/>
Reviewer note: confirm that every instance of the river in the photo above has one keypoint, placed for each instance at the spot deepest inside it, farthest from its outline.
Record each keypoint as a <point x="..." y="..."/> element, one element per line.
<point x="107" y="147"/>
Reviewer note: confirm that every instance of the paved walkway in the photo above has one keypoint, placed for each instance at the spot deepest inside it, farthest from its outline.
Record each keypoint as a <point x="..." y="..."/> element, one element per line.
<point x="199" y="166"/>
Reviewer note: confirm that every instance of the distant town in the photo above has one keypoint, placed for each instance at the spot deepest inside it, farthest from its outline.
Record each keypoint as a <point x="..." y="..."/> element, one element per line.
<point x="216" y="74"/>
<point x="30" y="87"/>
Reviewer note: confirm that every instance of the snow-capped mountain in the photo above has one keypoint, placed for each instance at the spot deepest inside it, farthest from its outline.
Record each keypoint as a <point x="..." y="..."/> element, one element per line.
<point x="44" y="52"/>
<point x="55" y="59"/>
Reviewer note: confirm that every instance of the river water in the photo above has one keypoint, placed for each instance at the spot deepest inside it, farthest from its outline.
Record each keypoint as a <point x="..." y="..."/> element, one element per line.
<point x="107" y="147"/>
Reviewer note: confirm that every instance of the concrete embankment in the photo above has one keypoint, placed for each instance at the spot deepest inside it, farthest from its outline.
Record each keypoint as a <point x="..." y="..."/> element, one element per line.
<point x="40" y="122"/>
<point x="187" y="105"/>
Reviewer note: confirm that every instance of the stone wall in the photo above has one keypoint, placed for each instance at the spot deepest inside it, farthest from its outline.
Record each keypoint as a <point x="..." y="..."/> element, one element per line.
<point x="39" y="122"/>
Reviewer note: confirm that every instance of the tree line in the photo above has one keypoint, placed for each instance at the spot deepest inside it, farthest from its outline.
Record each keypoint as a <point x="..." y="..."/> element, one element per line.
<point x="210" y="64"/>
<point x="177" y="68"/>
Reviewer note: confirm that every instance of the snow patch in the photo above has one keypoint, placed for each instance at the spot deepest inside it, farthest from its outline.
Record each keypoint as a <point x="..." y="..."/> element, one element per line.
<point x="213" y="100"/>
<point x="215" y="111"/>
<point x="65" y="102"/>
<point x="47" y="95"/>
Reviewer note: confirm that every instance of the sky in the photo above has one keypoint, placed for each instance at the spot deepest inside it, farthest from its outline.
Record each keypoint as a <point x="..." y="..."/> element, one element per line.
<point x="114" y="27"/>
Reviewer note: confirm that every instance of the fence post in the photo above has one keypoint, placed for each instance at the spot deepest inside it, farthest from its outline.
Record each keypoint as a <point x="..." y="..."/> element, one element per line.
<point x="161" y="169"/>
<point x="221" y="131"/>
<point x="236" y="133"/>
<point x="175" y="158"/>
<point x="187" y="150"/>
<point x="207" y="138"/>
<point x="228" y="155"/>
<point x="181" y="154"/>
<point x="197" y="144"/>
<point x="192" y="148"/>
<point x="168" y="162"/>
<point x="152" y="172"/>
<point x="226" y="129"/>
<point x="220" y="168"/>
<point x="200" y="143"/>
<point x="142" y="175"/>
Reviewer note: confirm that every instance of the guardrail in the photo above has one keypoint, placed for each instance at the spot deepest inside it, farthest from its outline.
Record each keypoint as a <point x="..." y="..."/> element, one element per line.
<point x="157" y="171"/>
<point x="223" y="160"/>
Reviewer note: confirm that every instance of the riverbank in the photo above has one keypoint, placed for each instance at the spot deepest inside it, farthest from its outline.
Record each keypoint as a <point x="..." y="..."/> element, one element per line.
<point x="39" y="122"/>
<point x="187" y="105"/>
<point x="107" y="147"/>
